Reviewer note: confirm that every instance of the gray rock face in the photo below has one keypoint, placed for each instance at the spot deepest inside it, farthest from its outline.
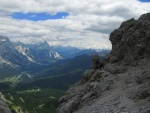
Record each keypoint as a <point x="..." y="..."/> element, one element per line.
<point x="124" y="85"/>
<point x="3" y="107"/>
<point x="131" y="41"/>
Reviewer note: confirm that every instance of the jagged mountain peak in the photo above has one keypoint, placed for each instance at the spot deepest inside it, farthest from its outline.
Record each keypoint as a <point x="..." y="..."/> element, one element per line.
<point x="3" y="39"/>
<point x="5" y="42"/>
<point x="6" y="46"/>
<point x="40" y="53"/>
<point x="18" y="56"/>
<point x="43" y="44"/>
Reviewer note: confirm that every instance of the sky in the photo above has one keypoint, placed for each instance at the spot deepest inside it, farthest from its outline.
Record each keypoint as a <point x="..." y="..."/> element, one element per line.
<point x="77" y="23"/>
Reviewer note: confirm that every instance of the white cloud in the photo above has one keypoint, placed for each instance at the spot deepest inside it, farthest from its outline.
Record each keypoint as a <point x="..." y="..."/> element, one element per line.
<point x="88" y="24"/>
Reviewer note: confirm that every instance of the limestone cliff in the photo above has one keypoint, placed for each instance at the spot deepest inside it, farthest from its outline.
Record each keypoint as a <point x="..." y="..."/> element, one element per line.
<point x="124" y="85"/>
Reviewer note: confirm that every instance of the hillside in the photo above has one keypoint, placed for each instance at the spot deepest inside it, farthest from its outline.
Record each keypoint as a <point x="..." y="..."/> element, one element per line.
<point x="78" y="63"/>
<point x="45" y="86"/>
<point x="124" y="85"/>
<point x="66" y="72"/>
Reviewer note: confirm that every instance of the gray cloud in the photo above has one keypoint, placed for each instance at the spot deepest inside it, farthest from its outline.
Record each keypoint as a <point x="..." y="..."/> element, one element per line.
<point x="87" y="26"/>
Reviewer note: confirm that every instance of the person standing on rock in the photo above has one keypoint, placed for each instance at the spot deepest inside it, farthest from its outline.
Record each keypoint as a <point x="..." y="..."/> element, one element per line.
<point x="96" y="62"/>
<point x="101" y="65"/>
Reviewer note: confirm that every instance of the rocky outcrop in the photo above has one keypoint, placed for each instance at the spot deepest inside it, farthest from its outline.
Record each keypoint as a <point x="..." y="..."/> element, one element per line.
<point x="3" y="106"/>
<point x="124" y="85"/>
<point x="131" y="41"/>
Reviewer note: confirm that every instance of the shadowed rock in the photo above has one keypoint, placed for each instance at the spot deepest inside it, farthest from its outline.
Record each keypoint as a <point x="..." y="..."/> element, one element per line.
<point x="3" y="107"/>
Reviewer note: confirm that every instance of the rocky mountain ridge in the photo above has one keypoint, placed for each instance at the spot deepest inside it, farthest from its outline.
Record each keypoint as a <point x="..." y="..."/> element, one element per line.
<point x="18" y="58"/>
<point x="18" y="55"/>
<point x="9" y="56"/>
<point x="124" y="85"/>
<point x="40" y="53"/>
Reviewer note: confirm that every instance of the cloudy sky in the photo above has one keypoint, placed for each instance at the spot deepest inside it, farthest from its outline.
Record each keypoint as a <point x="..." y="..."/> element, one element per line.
<point x="78" y="23"/>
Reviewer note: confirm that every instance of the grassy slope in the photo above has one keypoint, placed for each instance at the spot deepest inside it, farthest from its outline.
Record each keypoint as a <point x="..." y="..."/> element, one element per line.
<point x="39" y="100"/>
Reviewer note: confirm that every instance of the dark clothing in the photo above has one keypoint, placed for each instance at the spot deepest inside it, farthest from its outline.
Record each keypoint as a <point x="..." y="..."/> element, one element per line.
<point x="101" y="65"/>
<point x="95" y="62"/>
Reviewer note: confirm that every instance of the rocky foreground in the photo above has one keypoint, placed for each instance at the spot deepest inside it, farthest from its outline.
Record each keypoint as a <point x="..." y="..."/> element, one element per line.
<point x="3" y="106"/>
<point x="124" y="85"/>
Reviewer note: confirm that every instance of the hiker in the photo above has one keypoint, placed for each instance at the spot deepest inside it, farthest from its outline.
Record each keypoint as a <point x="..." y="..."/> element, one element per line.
<point x="95" y="62"/>
<point x="101" y="65"/>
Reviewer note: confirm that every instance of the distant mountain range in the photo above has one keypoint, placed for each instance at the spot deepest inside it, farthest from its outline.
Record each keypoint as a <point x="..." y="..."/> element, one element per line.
<point x="71" y="52"/>
<point x="16" y="57"/>
<point x="26" y="54"/>
<point x="39" y="53"/>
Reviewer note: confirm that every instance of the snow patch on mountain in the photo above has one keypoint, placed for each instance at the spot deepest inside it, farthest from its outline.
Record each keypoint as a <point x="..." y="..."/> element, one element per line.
<point x="6" y="62"/>
<point x="2" y="40"/>
<point x="55" y="54"/>
<point x="23" y="50"/>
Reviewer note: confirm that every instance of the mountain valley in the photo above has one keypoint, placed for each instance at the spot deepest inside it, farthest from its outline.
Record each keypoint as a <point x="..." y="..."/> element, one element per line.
<point x="32" y="71"/>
